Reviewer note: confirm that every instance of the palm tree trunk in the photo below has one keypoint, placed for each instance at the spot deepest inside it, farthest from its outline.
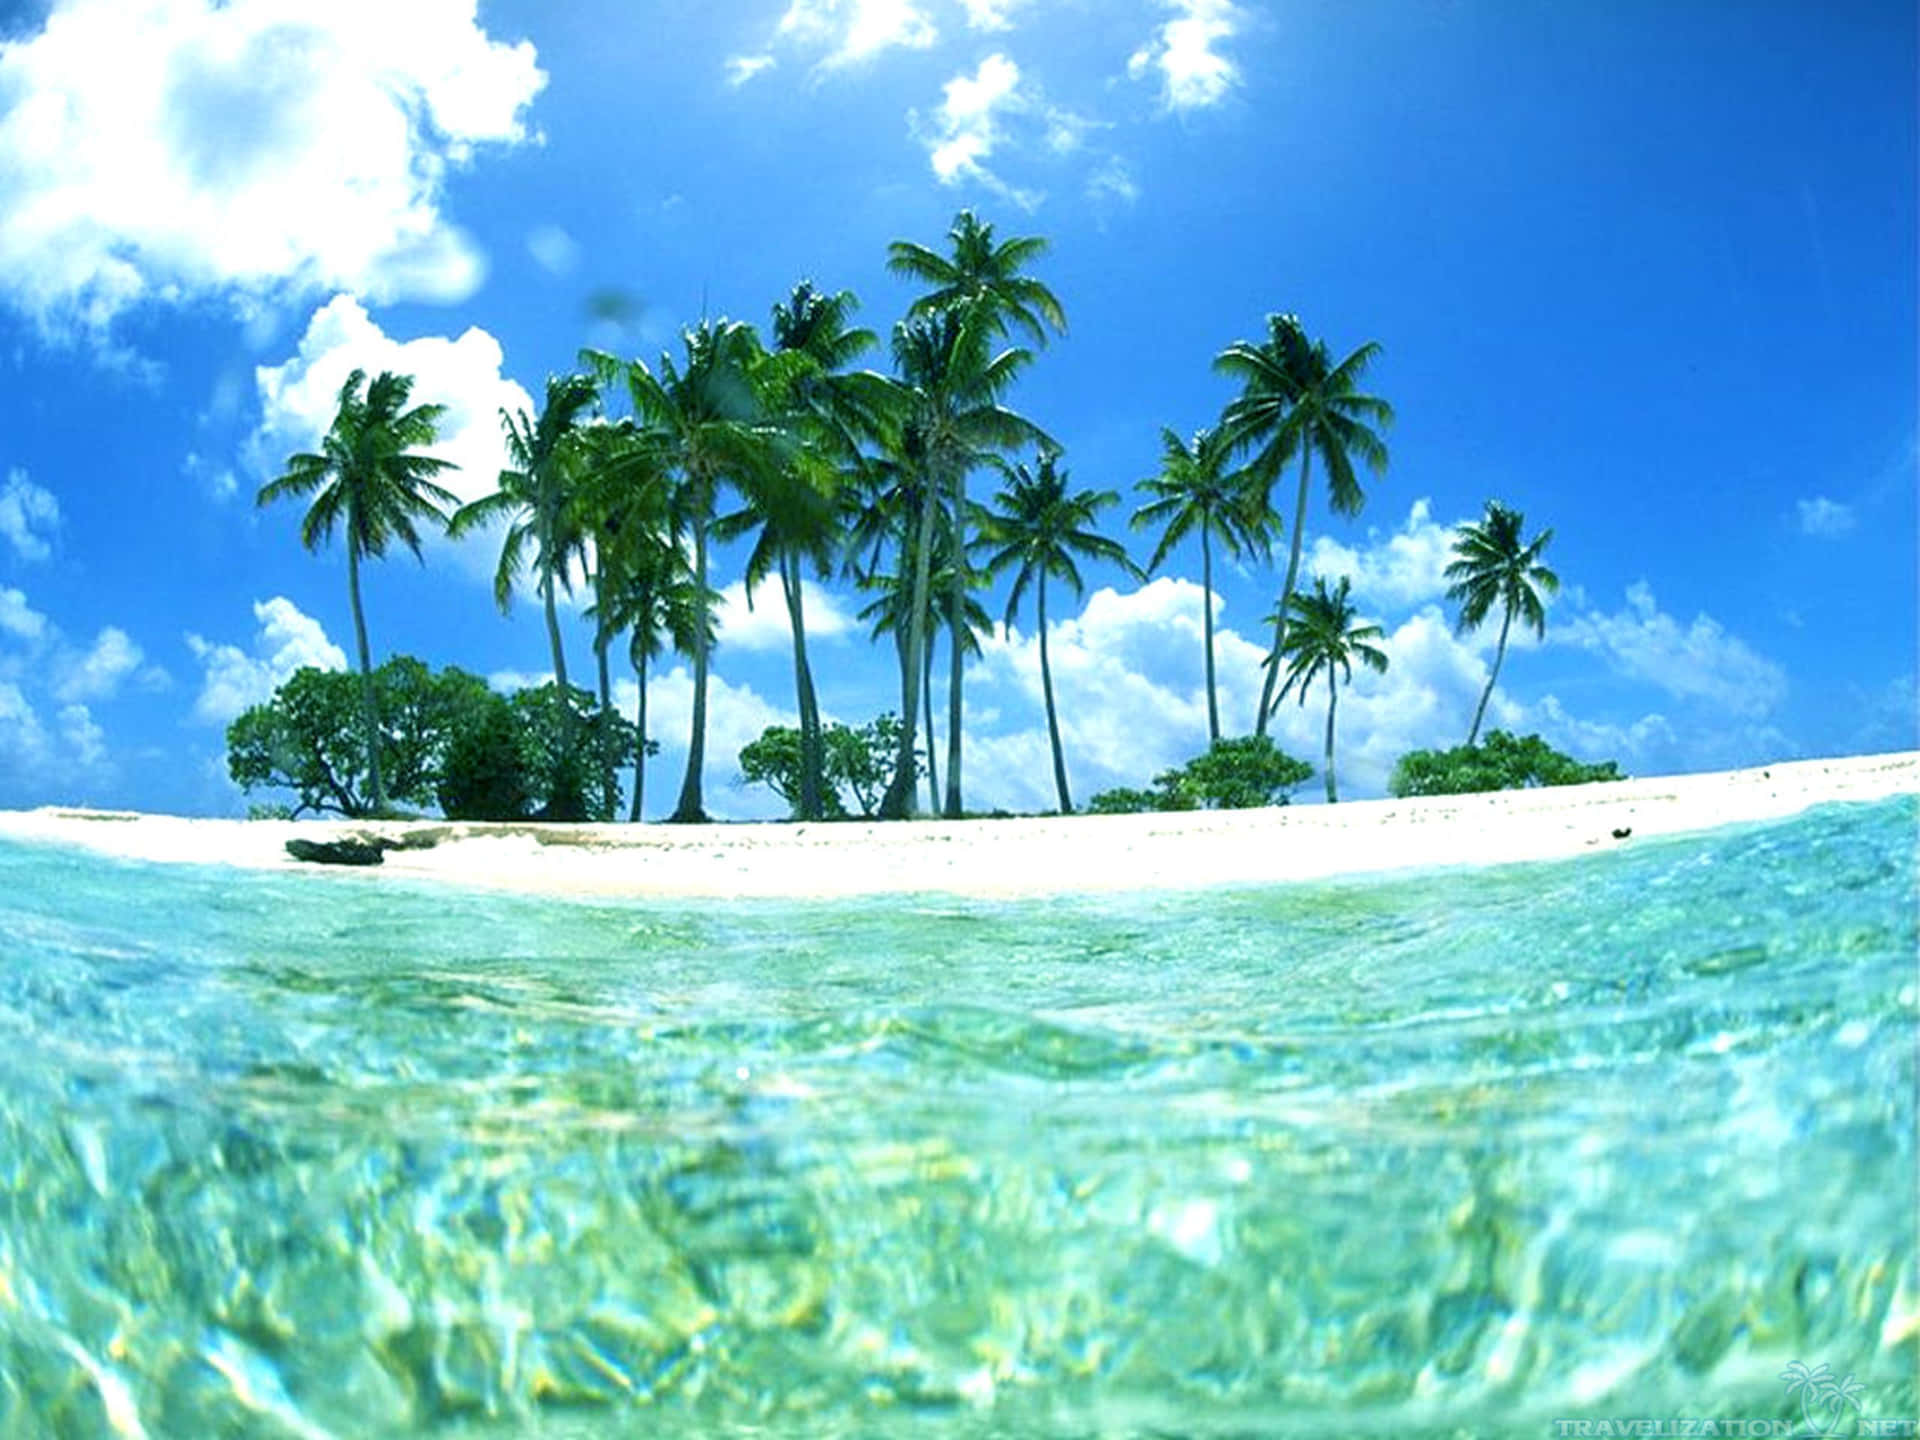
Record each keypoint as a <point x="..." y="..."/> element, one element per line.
<point x="553" y="632"/>
<point x="956" y="637"/>
<point x="609" y="778"/>
<point x="370" y="715"/>
<point x="690" y="811"/>
<point x="897" y="803"/>
<point x="1286" y="594"/>
<point x="1206" y="580"/>
<point x="1333" y="698"/>
<point x="926" y="707"/>
<point x="640" y="738"/>
<point x="812" y="787"/>
<point x="1046" y="689"/>
<point x="1487" y="694"/>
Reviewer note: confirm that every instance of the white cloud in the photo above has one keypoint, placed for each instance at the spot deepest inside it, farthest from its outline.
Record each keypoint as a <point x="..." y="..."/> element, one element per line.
<point x="1698" y="661"/>
<point x="63" y="765"/>
<point x="96" y="674"/>
<point x="1824" y="518"/>
<point x="159" y="150"/>
<point x="990" y="14"/>
<point x="742" y="68"/>
<point x="235" y="679"/>
<point x="968" y="125"/>
<point x="18" y="618"/>
<point x="29" y="515"/>
<point x="86" y="740"/>
<point x="1406" y="569"/>
<point x="553" y="249"/>
<point x="763" y="626"/>
<point x="855" y="30"/>
<point x="1112" y="180"/>
<point x="298" y="398"/>
<point x="1194" y="73"/>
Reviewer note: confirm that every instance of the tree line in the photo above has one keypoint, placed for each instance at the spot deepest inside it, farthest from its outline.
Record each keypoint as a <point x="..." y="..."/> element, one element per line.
<point x="631" y="473"/>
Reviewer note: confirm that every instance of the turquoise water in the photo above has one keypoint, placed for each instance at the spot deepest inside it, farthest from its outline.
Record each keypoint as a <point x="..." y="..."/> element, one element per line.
<point x="1461" y="1154"/>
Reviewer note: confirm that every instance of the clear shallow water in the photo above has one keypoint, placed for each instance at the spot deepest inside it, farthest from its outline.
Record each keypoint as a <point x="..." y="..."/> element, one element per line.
<point x="1453" y="1155"/>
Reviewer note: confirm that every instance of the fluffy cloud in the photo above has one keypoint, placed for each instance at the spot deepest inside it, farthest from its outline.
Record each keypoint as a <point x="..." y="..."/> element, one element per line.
<point x="742" y="68"/>
<point x="157" y="150"/>
<point x="1697" y="661"/>
<point x="1400" y="571"/>
<point x="234" y="679"/>
<point x="967" y="126"/>
<point x="19" y="619"/>
<point x="990" y="14"/>
<point x="1824" y="518"/>
<point x="29" y="515"/>
<point x="298" y="399"/>
<point x="1193" y="72"/>
<point x="763" y="626"/>
<point x="97" y="672"/>
<point x="1113" y="181"/>
<point x="855" y="30"/>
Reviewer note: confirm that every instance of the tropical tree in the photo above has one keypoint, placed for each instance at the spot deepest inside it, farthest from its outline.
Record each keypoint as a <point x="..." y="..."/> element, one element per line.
<point x="1037" y="531"/>
<point x="982" y="284"/>
<point x="1322" y="634"/>
<point x="369" y="477"/>
<point x="535" y="499"/>
<point x="952" y="381"/>
<point x="1295" y="400"/>
<point x="709" y="420"/>
<point x="1495" y="566"/>
<point x="1196" y="491"/>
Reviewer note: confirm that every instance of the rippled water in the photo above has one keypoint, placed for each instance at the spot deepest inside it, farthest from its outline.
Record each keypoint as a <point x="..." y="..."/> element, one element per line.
<point x="1464" y="1154"/>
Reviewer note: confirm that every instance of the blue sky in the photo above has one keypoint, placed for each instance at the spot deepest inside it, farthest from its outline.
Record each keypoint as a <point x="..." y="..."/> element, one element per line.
<point x="1642" y="270"/>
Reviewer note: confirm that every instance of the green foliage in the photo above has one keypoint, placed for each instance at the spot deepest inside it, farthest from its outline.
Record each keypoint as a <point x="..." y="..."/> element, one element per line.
<point x="445" y="739"/>
<point x="269" y="810"/>
<point x="860" y="760"/>
<point x="1237" y="774"/>
<point x="1500" y="762"/>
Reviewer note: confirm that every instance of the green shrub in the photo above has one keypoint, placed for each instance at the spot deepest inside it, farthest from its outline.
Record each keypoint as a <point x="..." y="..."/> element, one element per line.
<point x="1500" y="762"/>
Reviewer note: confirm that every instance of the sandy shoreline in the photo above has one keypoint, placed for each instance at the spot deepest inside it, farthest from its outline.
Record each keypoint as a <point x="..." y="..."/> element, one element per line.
<point x="997" y="858"/>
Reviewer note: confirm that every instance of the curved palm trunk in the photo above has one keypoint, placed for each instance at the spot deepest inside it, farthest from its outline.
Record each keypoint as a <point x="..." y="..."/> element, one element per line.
<point x="1046" y="689"/>
<point x="609" y="779"/>
<point x="926" y="707"/>
<point x="1333" y="698"/>
<point x="1286" y="594"/>
<point x="370" y="715"/>
<point x="1487" y="694"/>
<point x="1206" y="580"/>
<point x="640" y="738"/>
<point x="812" y="779"/>
<point x="956" y="637"/>
<point x="897" y="803"/>
<point x="690" y="811"/>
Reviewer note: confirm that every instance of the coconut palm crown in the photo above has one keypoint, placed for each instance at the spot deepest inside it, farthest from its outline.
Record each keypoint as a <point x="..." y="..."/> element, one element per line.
<point x="1322" y="635"/>
<point x="1497" y="567"/>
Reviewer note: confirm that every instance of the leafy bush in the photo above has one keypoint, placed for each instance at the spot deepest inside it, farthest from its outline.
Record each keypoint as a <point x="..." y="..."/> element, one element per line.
<point x="1500" y="762"/>
<point x="860" y="760"/>
<point x="1237" y="774"/>
<point x="484" y="773"/>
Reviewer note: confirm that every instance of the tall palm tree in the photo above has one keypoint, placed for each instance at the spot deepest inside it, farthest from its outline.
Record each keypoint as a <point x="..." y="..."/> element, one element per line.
<point x="1497" y="567"/>
<point x="713" y="427"/>
<point x="369" y="476"/>
<point x="1038" y="529"/>
<point x="1197" y="491"/>
<point x="1295" y="400"/>
<point x="982" y="282"/>
<point x="535" y="497"/>
<point x="952" y="382"/>
<point x="1321" y="634"/>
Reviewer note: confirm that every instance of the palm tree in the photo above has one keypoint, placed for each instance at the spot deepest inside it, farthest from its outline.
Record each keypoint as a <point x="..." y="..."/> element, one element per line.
<point x="951" y="382"/>
<point x="1037" y="531"/>
<point x="369" y="476"/>
<point x="535" y="497"/>
<point x="1496" y="567"/>
<point x="982" y="283"/>
<point x="1294" y="399"/>
<point x="1321" y="634"/>
<point x="712" y="427"/>
<point x="979" y="273"/>
<point x="1196" y="491"/>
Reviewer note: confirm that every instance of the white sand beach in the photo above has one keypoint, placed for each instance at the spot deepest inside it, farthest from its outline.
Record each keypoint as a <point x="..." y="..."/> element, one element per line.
<point x="1005" y="858"/>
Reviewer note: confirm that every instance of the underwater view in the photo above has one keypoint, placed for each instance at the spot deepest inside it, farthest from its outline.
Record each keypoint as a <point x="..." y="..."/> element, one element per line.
<point x="1462" y="1153"/>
